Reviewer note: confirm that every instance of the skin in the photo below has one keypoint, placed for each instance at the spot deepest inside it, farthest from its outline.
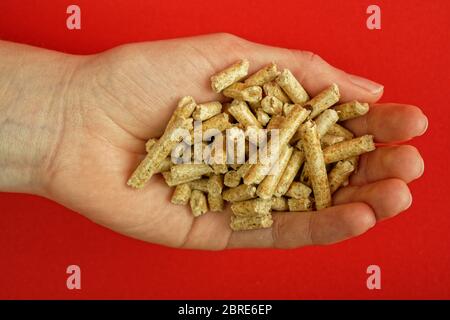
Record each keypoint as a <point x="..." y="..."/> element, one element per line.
<point x="73" y="129"/>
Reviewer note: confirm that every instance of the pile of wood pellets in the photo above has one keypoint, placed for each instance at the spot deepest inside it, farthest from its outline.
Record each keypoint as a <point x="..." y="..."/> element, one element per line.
<point x="315" y="157"/>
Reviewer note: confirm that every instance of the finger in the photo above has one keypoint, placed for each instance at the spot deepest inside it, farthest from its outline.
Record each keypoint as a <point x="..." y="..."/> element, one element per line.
<point x="387" y="198"/>
<point x="290" y="230"/>
<point x="402" y="162"/>
<point x="390" y="122"/>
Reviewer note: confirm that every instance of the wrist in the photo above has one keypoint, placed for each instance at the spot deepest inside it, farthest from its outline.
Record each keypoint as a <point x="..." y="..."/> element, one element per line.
<point x="34" y="88"/>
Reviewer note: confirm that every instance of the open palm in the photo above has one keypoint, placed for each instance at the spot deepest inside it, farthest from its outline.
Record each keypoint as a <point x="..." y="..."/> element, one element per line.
<point x="118" y="99"/>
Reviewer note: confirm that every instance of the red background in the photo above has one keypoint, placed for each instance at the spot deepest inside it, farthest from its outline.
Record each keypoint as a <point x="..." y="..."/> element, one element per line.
<point x="410" y="55"/>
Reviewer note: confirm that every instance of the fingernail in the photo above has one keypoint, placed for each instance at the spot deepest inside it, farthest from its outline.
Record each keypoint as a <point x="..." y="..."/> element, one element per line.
<point x="422" y="168"/>
<point x="366" y="84"/>
<point x="409" y="203"/>
<point x="425" y="125"/>
<point x="372" y="222"/>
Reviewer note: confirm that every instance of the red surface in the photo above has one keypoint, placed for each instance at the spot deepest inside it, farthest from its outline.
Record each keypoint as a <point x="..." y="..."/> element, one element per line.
<point x="39" y="239"/>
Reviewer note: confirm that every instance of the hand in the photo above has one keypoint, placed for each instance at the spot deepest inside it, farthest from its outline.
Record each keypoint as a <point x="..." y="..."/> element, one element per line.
<point x="116" y="100"/>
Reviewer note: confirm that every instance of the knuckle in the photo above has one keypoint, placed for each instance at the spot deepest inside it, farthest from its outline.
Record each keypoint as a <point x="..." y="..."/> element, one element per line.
<point x="311" y="56"/>
<point x="119" y="58"/>
<point x="229" y="37"/>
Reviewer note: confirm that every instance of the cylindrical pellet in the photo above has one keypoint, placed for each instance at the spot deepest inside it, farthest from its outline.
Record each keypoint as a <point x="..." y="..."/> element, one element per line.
<point x="259" y="170"/>
<point x="291" y="123"/>
<point x="272" y="105"/>
<point x="348" y="148"/>
<point x="181" y="194"/>
<point x="186" y="170"/>
<point x="317" y="171"/>
<point x="292" y="87"/>
<point x="219" y="122"/>
<point x="340" y="131"/>
<point x="239" y="193"/>
<point x="215" y="202"/>
<point x="290" y="172"/>
<point x="352" y="109"/>
<point x="205" y="111"/>
<point x="339" y="174"/>
<point x="230" y="75"/>
<point x="243" y="115"/>
<point x="279" y="204"/>
<point x="185" y="107"/>
<point x="165" y="165"/>
<point x="198" y="203"/>
<point x="262" y="117"/>
<point x="160" y="150"/>
<point x="241" y="91"/>
<point x="149" y="144"/>
<point x="200" y="185"/>
<point x="231" y="179"/>
<point x="325" y="120"/>
<point x="215" y="184"/>
<point x="267" y="187"/>
<point x="323" y="100"/>
<point x="266" y="74"/>
<point x="250" y="223"/>
<point x="355" y="162"/>
<point x="328" y="140"/>
<point x="252" y="207"/>
<point x="299" y="204"/>
<point x="273" y="89"/>
<point x="298" y="190"/>
<point x="172" y="182"/>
